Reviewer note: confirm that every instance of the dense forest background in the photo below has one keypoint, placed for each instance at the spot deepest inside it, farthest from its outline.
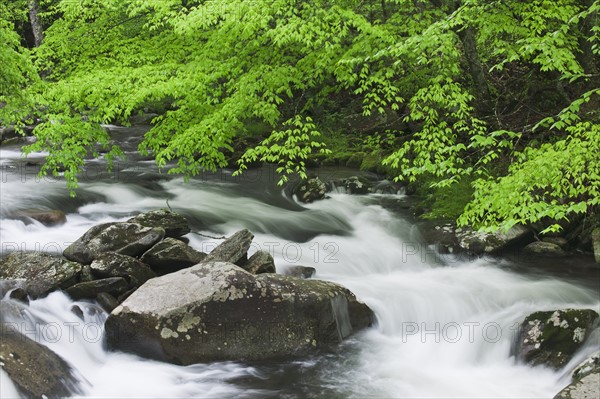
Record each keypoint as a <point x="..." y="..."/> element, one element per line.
<point x="491" y="108"/>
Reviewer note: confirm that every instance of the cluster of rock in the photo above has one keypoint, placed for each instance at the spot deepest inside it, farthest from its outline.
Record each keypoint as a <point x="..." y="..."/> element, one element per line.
<point x="448" y="238"/>
<point x="313" y="188"/>
<point x="9" y="135"/>
<point x="451" y="239"/>
<point x="108" y="262"/>
<point x="551" y="339"/>
<point x="173" y="303"/>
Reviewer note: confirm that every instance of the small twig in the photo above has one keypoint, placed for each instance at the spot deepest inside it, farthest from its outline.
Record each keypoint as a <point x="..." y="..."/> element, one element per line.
<point x="169" y="206"/>
<point x="207" y="236"/>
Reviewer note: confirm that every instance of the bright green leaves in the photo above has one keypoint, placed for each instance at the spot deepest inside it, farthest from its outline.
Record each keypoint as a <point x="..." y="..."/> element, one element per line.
<point x="542" y="32"/>
<point x="16" y="73"/>
<point x="492" y="146"/>
<point x="446" y="117"/>
<point x="552" y="182"/>
<point x="215" y="68"/>
<point x="195" y="141"/>
<point x="289" y="149"/>
<point x="570" y="115"/>
<point x="71" y="140"/>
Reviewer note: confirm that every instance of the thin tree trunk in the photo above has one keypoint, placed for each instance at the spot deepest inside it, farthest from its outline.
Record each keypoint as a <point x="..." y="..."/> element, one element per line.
<point x="587" y="58"/>
<point x="384" y="13"/>
<point x="36" y="24"/>
<point x="482" y="91"/>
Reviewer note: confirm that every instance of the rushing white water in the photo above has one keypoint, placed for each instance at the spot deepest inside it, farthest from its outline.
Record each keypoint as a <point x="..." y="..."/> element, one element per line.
<point x="445" y="326"/>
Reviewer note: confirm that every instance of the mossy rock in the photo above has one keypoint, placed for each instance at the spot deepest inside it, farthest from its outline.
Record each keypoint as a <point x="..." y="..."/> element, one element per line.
<point x="130" y="239"/>
<point x="330" y="162"/>
<point x="356" y="160"/>
<point x="35" y="370"/>
<point x="371" y="162"/>
<point x="173" y="223"/>
<point x="551" y="338"/>
<point x="586" y="388"/>
<point x="216" y="311"/>
<point x="40" y="273"/>
<point x="445" y="202"/>
<point x="351" y="185"/>
<point x="310" y="190"/>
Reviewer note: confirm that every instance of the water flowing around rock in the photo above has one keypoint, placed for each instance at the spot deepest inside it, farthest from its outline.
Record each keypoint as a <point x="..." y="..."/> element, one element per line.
<point x="445" y="324"/>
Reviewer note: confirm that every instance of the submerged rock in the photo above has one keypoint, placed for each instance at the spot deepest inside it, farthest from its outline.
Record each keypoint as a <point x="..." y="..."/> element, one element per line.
<point x="542" y="248"/>
<point x="218" y="311"/>
<point x="39" y="273"/>
<point x="352" y="185"/>
<point x="551" y="338"/>
<point x="172" y="223"/>
<point x="310" y="190"/>
<point x="171" y="255"/>
<point x="124" y="238"/>
<point x="36" y="371"/>
<point x="47" y="218"/>
<point x="560" y="241"/>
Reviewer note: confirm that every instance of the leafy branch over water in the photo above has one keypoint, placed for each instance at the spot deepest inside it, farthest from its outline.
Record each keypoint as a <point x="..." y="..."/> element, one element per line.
<point x="504" y="93"/>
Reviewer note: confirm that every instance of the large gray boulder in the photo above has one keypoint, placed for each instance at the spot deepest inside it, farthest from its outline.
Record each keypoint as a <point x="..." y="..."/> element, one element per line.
<point x="125" y="238"/>
<point x="585" y="380"/>
<point x="586" y="388"/>
<point x="551" y="338"/>
<point x="36" y="371"/>
<point x="477" y="242"/>
<point x="39" y="273"/>
<point x="112" y="264"/>
<point x="218" y="311"/>
<point x="172" y="223"/>
<point x="233" y="250"/>
<point x="171" y="255"/>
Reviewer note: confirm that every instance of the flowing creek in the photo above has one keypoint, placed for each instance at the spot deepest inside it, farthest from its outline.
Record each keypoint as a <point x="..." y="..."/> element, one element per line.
<point x="445" y="323"/>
